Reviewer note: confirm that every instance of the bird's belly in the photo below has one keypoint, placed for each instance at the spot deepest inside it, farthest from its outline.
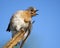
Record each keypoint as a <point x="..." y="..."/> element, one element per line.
<point x="18" y="23"/>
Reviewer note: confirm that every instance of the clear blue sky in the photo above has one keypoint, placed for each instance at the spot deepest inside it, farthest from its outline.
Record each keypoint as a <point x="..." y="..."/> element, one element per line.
<point x="46" y="29"/>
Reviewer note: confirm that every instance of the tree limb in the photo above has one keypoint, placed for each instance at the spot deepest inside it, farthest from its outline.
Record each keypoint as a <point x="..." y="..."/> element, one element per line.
<point x="17" y="38"/>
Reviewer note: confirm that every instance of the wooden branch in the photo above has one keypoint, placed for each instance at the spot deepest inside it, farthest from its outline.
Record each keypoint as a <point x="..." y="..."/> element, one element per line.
<point x="17" y="38"/>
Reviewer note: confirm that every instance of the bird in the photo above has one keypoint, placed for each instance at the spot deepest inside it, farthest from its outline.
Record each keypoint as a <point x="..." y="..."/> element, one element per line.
<point x="22" y="19"/>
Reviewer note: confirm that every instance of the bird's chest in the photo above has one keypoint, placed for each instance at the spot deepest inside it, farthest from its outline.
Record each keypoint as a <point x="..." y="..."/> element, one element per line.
<point x="17" y="21"/>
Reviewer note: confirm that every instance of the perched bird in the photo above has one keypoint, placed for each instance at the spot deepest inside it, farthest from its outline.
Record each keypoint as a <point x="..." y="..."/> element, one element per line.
<point x="22" y="20"/>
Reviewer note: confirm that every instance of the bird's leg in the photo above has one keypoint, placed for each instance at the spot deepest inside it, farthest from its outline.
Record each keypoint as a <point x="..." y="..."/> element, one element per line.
<point x="24" y="40"/>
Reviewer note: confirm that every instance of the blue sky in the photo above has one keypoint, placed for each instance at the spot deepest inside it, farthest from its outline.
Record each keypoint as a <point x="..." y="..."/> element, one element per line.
<point x="46" y="29"/>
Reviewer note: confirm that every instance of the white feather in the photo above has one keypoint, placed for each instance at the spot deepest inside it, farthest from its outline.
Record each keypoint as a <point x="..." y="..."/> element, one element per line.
<point x="19" y="22"/>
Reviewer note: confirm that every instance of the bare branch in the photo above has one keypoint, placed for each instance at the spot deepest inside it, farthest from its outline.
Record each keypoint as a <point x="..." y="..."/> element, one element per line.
<point x="17" y="38"/>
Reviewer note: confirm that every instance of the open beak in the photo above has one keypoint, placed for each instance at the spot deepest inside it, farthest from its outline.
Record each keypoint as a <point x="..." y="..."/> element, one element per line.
<point x="37" y="14"/>
<point x="36" y="11"/>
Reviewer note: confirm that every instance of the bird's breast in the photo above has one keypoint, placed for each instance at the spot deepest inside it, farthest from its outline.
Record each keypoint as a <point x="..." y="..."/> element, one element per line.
<point x="17" y="21"/>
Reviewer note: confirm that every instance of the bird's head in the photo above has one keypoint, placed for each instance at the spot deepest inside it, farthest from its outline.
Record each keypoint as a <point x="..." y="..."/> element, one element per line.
<point x="32" y="11"/>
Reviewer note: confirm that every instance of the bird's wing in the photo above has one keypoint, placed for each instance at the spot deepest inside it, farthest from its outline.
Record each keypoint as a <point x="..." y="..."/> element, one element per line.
<point x="8" y="28"/>
<point x="30" y="25"/>
<point x="9" y="25"/>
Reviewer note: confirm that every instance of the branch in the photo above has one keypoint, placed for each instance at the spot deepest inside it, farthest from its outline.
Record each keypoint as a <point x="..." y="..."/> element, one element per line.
<point x="17" y="38"/>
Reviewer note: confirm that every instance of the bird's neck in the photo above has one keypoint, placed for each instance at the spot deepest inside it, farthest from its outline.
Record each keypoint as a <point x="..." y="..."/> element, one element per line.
<point x="27" y="16"/>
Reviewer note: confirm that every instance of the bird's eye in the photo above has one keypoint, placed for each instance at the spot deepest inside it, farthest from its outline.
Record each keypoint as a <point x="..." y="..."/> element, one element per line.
<point x="31" y="10"/>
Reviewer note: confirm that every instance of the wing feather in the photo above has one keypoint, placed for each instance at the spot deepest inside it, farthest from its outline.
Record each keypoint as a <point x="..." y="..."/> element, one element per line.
<point x="9" y="25"/>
